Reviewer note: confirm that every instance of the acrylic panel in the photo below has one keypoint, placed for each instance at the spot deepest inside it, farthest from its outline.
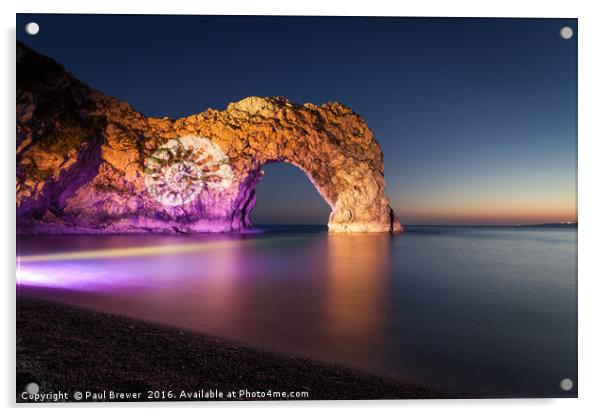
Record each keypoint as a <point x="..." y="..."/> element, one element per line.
<point x="295" y="208"/>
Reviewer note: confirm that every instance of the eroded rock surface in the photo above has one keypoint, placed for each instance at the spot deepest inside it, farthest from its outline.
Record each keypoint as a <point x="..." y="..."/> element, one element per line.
<point x="82" y="159"/>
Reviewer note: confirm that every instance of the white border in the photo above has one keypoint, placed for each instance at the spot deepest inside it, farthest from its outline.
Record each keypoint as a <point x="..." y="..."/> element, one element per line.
<point x="590" y="136"/>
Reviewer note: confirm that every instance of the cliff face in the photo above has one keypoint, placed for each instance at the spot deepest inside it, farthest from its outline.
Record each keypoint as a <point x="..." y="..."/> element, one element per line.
<point x="87" y="162"/>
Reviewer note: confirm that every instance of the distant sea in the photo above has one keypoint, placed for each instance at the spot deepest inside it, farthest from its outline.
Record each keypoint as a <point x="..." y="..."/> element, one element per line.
<point x="487" y="310"/>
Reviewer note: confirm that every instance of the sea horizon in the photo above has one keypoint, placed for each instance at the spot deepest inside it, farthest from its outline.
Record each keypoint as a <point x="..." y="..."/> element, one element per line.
<point x="550" y="224"/>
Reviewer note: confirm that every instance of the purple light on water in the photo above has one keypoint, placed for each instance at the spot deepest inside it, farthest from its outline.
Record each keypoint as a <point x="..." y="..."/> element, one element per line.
<point x="116" y="269"/>
<point x="73" y="275"/>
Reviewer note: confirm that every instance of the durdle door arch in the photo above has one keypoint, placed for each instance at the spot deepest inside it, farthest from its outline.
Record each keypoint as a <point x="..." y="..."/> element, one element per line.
<point x="93" y="164"/>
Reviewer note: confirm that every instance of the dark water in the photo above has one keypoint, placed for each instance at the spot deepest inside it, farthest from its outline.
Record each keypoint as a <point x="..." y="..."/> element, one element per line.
<point x="480" y="310"/>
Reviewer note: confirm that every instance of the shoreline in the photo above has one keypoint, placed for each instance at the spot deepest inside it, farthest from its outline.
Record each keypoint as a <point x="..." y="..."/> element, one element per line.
<point x="65" y="348"/>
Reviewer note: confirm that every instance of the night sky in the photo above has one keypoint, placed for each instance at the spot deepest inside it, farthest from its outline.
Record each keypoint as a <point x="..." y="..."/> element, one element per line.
<point x="477" y="118"/>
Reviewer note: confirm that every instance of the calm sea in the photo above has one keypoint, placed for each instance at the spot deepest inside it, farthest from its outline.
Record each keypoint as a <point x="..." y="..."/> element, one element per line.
<point x="479" y="310"/>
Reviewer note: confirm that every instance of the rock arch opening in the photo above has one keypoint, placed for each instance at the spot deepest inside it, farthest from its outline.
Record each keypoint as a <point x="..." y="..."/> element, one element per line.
<point x="286" y="196"/>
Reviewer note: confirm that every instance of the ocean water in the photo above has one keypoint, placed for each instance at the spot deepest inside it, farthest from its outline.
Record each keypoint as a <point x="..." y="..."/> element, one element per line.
<point x="490" y="311"/>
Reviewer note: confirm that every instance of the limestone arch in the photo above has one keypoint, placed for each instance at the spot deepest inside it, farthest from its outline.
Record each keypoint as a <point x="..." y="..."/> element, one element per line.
<point x="331" y="144"/>
<point x="106" y="144"/>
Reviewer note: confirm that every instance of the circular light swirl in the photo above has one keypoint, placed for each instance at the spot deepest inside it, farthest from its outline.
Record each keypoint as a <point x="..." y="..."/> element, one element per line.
<point x="180" y="169"/>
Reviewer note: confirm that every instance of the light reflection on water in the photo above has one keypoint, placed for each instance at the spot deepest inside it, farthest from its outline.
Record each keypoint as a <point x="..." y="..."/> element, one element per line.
<point x="480" y="310"/>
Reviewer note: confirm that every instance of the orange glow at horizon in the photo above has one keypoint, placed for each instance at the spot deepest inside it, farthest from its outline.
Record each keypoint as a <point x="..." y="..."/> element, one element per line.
<point x="526" y="211"/>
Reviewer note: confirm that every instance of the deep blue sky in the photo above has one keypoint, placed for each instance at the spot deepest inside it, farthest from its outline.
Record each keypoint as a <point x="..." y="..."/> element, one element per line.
<point x="476" y="117"/>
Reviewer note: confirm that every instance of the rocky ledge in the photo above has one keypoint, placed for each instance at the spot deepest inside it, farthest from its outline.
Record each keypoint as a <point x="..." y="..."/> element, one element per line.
<point x="89" y="163"/>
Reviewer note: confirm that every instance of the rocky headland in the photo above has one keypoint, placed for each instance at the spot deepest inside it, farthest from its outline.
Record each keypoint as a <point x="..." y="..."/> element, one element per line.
<point x="89" y="163"/>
